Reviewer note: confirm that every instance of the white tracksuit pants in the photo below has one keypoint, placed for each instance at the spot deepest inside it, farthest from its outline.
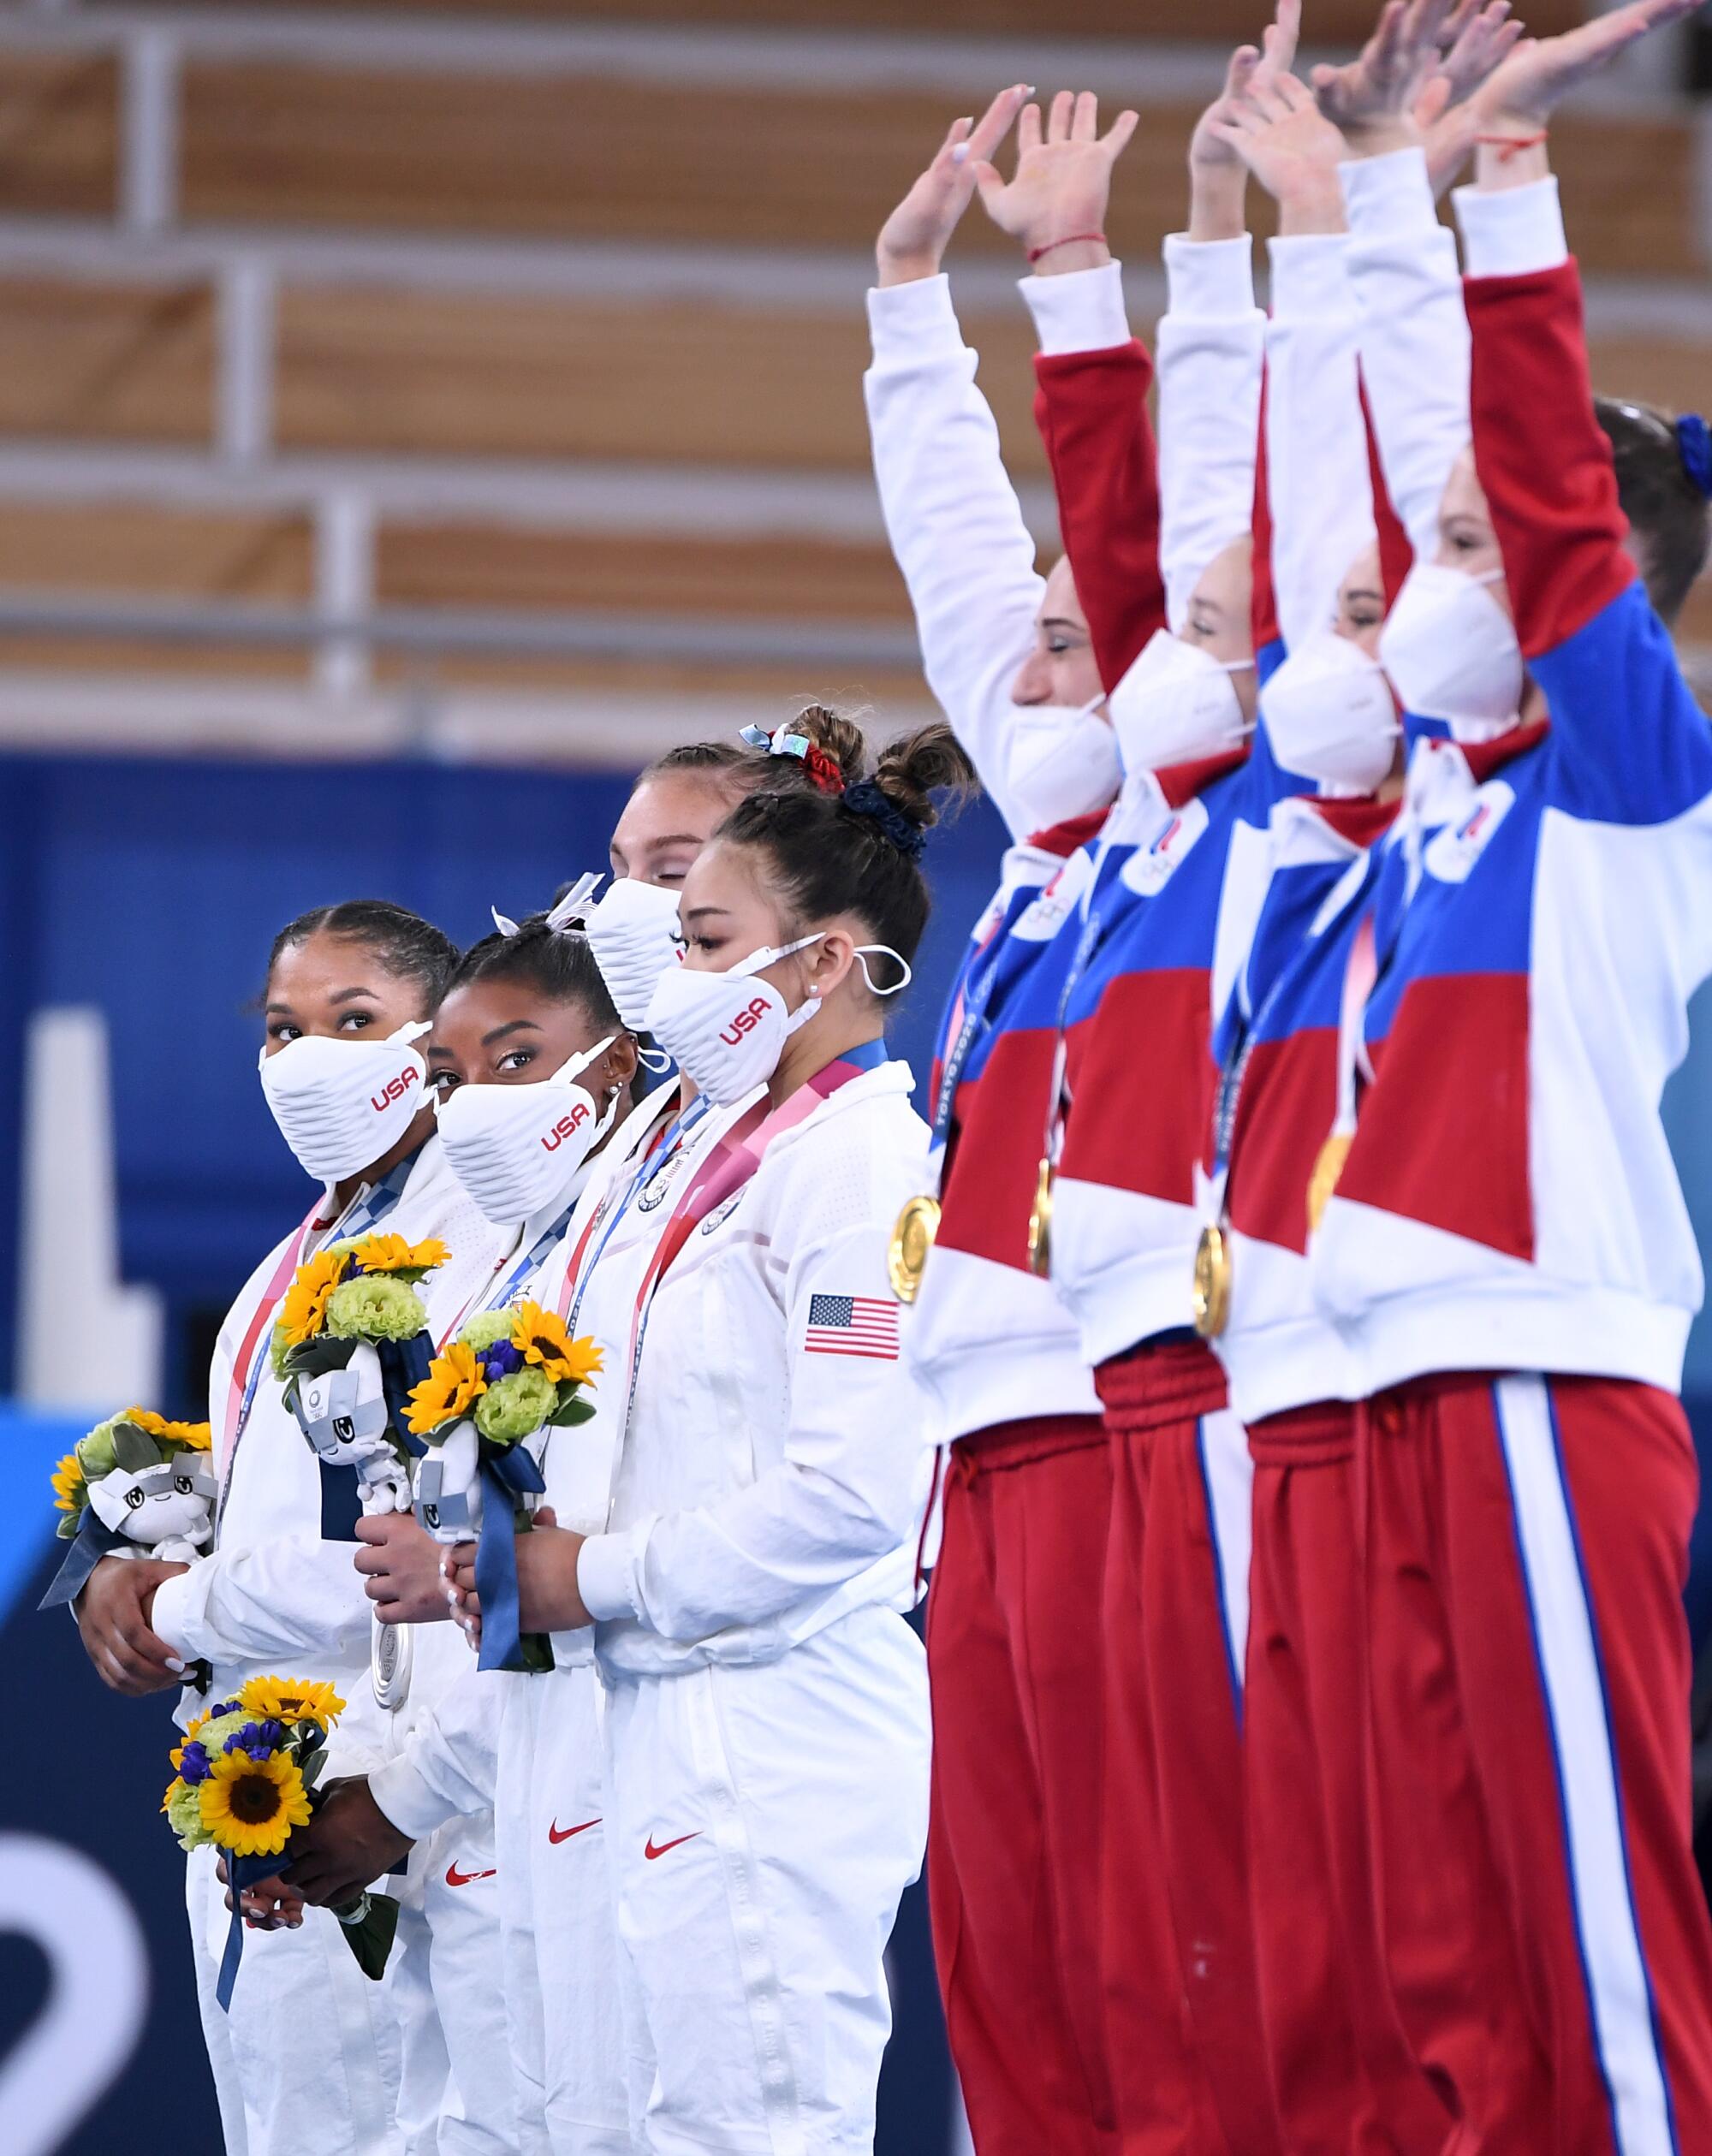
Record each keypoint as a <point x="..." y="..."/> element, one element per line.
<point x="764" y="1821"/>
<point x="458" y="2097"/>
<point x="308" y="2039"/>
<point x="560" y="1943"/>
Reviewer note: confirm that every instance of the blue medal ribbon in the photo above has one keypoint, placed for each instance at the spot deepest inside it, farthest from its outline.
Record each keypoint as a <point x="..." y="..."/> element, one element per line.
<point x="93" y="1541"/>
<point x="241" y="1872"/>
<point x="508" y="1473"/>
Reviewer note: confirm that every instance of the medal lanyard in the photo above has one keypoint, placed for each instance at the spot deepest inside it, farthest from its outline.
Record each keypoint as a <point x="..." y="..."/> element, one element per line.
<point x="652" y="1164"/>
<point x="492" y="1298"/>
<point x="1355" y="1067"/>
<point x="366" y="1210"/>
<point x="979" y="980"/>
<point x="729" y="1166"/>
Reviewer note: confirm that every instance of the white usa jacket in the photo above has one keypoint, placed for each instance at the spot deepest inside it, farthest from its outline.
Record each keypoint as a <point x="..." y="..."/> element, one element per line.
<point x="770" y="1475"/>
<point x="450" y="1762"/>
<point x="272" y="1599"/>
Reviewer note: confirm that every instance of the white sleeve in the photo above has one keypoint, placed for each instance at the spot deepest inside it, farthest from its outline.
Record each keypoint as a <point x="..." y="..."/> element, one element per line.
<point x="1081" y="312"/>
<point x="1211" y="357"/>
<point x="449" y="1766"/>
<point x="1414" y="333"/>
<point x="1318" y="481"/>
<point x="1512" y="232"/>
<point x="298" y="1595"/>
<point x="956" y="525"/>
<point x="845" y="1494"/>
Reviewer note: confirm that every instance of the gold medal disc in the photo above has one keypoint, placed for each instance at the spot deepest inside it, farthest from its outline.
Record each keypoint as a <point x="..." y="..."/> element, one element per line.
<point x="1324" y="1180"/>
<point x="1212" y="1291"/>
<point x="912" y="1240"/>
<point x="1040" y="1225"/>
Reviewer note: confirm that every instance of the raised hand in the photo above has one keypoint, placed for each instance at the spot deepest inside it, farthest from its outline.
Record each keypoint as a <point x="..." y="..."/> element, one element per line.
<point x="1446" y="112"/>
<point x="1373" y="98"/>
<point x="1536" y="77"/>
<point x="1290" y="146"/>
<point x="913" y="239"/>
<point x="1055" y="204"/>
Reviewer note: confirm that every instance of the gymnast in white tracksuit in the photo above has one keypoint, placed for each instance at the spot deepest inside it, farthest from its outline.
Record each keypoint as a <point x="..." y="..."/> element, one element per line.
<point x="312" y="2052"/>
<point x="766" y="1727"/>
<point x="530" y="1065"/>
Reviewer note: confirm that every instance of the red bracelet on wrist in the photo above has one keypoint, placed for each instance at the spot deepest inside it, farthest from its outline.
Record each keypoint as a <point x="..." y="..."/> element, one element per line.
<point x="1510" y="145"/>
<point x="1070" y="240"/>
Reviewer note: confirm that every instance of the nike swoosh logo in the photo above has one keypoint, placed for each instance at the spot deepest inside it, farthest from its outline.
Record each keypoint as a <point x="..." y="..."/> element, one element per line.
<point x="651" y="1851"/>
<point x="455" y="1878"/>
<point x="556" y="1833"/>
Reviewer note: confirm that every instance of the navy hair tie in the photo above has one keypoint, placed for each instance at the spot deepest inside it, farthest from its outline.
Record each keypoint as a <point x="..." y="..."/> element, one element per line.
<point x="866" y="798"/>
<point x="1694" y="446"/>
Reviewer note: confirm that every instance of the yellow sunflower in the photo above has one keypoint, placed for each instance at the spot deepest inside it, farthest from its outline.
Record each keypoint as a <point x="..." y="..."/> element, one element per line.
<point x="250" y="1806"/>
<point x="278" y="1699"/>
<point x="68" y="1483"/>
<point x="454" y="1384"/>
<point x="539" y="1336"/>
<point x="304" y="1311"/>
<point x="196" y="1436"/>
<point x="392" y="1254"/>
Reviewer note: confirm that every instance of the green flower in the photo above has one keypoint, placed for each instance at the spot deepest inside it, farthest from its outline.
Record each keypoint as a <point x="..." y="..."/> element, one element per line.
<point x="183" y="1809"/>
<point x="482" y="1332"/>
<point x="96" y="1450"/>
<point x="517" y="1406"/>
<point x="278" y="1348"/>
<point x="375" y="1307"/>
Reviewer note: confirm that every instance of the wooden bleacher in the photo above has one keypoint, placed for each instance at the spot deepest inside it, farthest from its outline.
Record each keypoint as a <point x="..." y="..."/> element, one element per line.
<point x="677" y="258"/>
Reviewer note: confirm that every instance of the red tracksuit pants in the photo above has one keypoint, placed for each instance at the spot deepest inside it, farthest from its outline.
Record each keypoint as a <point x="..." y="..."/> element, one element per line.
<point x="1013" y="1654"/>
<point x="1346" y="2080"/>
<point x="1176" y="1623"/>
<point x="1526" y="1543"/>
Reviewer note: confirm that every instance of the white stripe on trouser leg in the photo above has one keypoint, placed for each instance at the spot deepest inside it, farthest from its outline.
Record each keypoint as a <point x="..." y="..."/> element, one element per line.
<point x="1568" y="1656"/>
<point x="1228" y="1479"/>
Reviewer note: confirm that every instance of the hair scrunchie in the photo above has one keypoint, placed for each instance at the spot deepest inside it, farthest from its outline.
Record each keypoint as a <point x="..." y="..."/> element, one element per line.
<point x="821" y="767"/>
<point x="867" y="799"/>
<point x="1694" y="446"/>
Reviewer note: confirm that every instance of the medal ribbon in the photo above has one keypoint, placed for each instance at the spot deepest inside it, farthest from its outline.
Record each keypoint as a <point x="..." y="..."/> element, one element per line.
<point x="366" y="1211"/>
<point x="728" y="1168"/>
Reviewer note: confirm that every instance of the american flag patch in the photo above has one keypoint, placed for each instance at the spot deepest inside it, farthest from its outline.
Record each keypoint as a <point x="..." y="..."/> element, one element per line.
<point x="853" y="1324"/>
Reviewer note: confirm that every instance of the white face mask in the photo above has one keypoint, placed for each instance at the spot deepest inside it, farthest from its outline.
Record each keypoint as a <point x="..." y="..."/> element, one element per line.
<point x="343" y="1105"/>
<point x="517" y="1149"/>
<point x="1331" y="716"/>
<point x="726" y="1032"/>
<point x="1452" y="653"/>
<point x="633" y="934"/>
<point x="1064" y="763"/>
<point x="1177" y="701"/>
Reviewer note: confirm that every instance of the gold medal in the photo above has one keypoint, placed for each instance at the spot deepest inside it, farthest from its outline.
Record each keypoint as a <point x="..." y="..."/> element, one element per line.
<point x="1212" y="1293"/>
<point x="1324" y="1180"/>
<point x="1040" y="1225"/>
<point x="912" y="1240"/>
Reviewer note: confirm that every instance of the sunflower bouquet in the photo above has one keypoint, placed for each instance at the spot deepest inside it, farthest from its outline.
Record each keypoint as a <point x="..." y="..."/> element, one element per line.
<point x="136" y="1485"/>
<point x="244" y="1778"/>
<point x="508" y="1377"/>
<point x="351" y="1340"/>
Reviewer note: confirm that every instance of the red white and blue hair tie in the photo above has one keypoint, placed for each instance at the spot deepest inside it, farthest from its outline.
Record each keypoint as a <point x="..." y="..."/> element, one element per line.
<point x="820" y="767"/>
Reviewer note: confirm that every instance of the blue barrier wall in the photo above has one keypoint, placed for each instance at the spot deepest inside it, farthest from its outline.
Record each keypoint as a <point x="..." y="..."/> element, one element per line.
<point x="154" y="887"/>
